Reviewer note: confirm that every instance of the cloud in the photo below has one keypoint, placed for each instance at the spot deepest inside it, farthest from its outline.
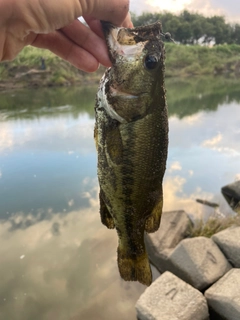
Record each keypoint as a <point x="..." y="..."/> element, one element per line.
<point x="213" y="141"/>
<point x="190" y="172"/>
<point x="228" y="8"/>
<point x="193" y="119"/>
<point x="175" y="198"/>
<point x="58" y="268"/>
<point x="43" y="131"/>
<point x="224" y="130"/>
<point x="6" y="137"/>
<point x="68" y="268"/>
<point x="206" y="7"/>
<point x="237" y="177"/>
<point x="71" y="202"/>
<point x="176" y="5"/>
<point x="65" y="267"/>
<point x="175" y="166"/>
<point x="139" y="6"/>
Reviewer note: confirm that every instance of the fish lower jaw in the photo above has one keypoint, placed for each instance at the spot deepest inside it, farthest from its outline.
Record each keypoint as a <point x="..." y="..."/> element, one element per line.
<point x="124" y="95"/>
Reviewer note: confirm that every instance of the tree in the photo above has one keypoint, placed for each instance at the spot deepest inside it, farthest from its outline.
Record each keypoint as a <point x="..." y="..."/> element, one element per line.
<point x="188" y="28"/>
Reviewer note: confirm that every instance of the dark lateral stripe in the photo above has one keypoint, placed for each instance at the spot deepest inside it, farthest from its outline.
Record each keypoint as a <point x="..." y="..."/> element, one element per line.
<point x="127" y="186"/>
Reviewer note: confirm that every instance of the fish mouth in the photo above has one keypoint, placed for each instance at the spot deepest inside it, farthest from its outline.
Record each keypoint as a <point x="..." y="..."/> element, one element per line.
<point x="125" y="95"/>
<point x="121" y="41"/>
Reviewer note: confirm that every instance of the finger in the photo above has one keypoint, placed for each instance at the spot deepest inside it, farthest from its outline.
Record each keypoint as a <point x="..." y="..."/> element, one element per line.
<point x="46" y="16"/>
<point x="127" y="23"/>
<point x="59" y="44"/>
<point x="88" y="40"/>
<point x="95" y="25"/>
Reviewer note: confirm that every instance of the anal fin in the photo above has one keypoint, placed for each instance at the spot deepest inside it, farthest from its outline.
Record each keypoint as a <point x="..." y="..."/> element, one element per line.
<point x="153" y="221"/>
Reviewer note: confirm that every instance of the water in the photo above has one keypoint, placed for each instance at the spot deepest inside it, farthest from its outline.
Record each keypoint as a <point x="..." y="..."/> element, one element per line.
<point x="57" y="260"/>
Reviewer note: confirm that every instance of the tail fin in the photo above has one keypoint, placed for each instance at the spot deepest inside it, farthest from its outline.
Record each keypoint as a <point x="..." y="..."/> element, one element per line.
<point x="134" y="268"/>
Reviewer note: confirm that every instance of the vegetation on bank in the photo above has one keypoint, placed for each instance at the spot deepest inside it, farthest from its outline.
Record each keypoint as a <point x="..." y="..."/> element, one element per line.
<point x="213" y="225"/>
<point x="191" y="28"/>
<point x="185" y="60"/>
<point x="39" y="67"/>
<point x="181" y="60"/>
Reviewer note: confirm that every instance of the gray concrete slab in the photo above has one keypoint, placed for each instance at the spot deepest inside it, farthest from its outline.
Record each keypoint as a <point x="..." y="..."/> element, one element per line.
<point x="224" y="295"/>
<point x="174" y="227"/>
<point x="229" y="242"/>
<point x="171" y="298"/>
<point x="198" y="261"/>
<point x="231" y="193"/>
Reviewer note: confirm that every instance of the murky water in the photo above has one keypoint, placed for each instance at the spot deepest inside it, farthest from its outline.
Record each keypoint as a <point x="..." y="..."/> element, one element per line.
<point x="57" y="260"/>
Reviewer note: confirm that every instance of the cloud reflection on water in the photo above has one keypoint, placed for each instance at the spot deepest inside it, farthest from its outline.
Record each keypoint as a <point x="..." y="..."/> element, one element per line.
<point x="62" y="272"/>
<point x="69" y="269"/>
<point x="207" y="150"/>
<point x="50" y="133"/>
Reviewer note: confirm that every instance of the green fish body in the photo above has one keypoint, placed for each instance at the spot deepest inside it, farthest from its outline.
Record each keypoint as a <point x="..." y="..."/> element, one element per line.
<point x="131" y="135"/>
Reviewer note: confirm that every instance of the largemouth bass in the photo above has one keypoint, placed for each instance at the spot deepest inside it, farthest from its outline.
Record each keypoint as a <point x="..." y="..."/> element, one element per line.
<point x="131" y="135"/>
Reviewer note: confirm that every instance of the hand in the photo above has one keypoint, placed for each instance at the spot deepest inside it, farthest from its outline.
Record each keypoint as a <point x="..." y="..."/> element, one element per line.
<point x="53" y="25"/>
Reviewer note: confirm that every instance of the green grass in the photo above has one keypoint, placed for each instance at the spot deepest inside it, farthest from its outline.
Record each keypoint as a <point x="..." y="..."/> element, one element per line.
<point x="212" y="226"/>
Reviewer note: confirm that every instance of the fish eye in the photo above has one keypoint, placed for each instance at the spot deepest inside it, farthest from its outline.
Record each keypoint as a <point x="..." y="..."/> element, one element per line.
<point x="151" y="62"/>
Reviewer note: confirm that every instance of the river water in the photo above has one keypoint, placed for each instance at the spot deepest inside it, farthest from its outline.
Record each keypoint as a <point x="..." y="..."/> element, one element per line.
<point x="57" y="260"/>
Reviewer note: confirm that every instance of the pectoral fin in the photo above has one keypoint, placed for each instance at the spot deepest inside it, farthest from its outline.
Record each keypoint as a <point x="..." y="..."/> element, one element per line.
<point x="106" y="217"/>
<point x="96" y="136"/>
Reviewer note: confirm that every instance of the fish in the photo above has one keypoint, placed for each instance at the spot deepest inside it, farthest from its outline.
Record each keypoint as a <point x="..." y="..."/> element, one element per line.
<point x="131" y="136"/>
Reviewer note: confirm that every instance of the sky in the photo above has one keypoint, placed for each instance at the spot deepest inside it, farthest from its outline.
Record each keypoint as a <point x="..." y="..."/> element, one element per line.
<point x="228" y="8"/>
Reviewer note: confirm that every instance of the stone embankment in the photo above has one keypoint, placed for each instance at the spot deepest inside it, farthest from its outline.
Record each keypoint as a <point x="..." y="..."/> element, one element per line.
<point x="200" y="277"/>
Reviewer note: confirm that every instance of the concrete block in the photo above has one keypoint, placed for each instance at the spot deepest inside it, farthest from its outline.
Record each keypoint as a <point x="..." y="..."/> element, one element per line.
<point x="231" y="193"/>
<point x="229" y="242"/>
<point x="171" y="298"/>
<point x="155" y="273"/>
<point x="224" y="296"/>
<point x="174" y="227"/>
<point x="198" y="261"/>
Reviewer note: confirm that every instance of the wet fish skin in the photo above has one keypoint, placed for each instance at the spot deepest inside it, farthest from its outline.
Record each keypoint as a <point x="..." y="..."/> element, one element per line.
<point x="131" y="135"/>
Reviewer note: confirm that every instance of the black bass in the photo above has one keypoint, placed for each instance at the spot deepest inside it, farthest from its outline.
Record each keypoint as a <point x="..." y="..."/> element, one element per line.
<point x="131" y="135"/>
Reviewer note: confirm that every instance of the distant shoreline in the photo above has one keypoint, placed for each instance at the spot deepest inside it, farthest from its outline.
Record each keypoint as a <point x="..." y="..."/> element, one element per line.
<point x="40" y="68"/>
<point x="34" y="82"/>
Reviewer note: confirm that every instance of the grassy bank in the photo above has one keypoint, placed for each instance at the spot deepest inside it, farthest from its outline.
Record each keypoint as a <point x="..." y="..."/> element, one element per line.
<point x="181" y="60"/>
<point x="26" y="70"/>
